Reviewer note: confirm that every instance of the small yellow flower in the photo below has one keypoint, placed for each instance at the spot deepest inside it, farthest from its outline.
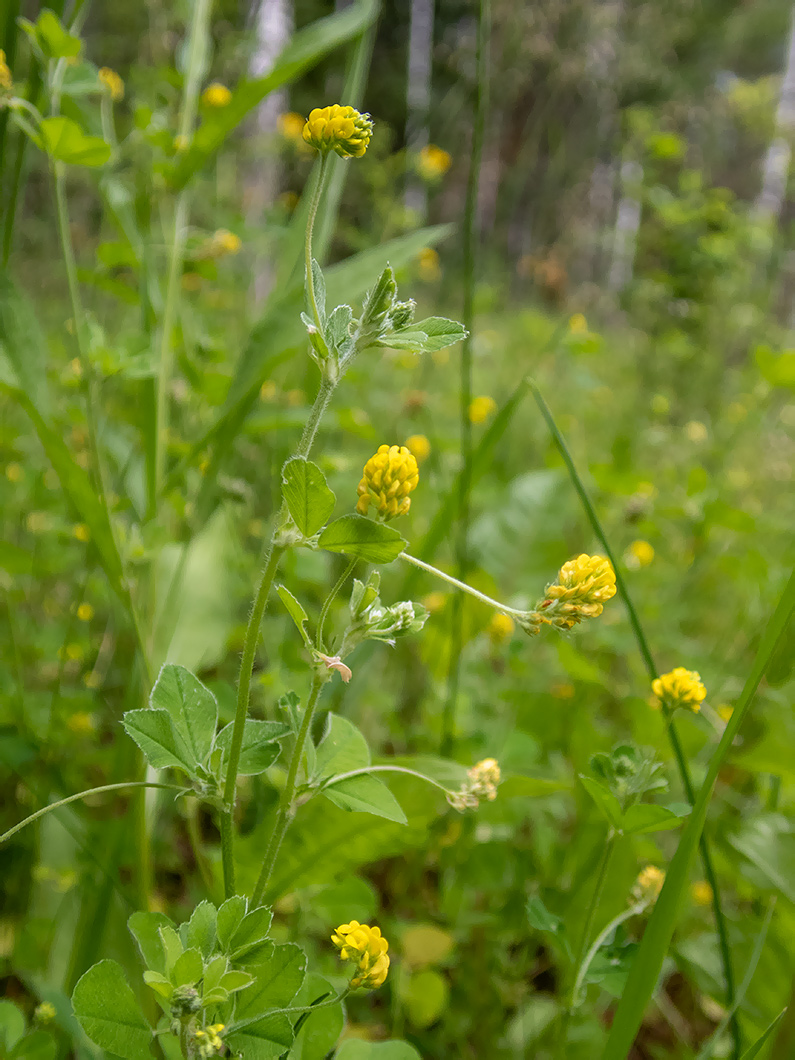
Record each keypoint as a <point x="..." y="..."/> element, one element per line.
<point x="389" y="477"/>
<point x="367" y="947"/>
<point x="6" y="81"/>
<point x="81" y="723"/>
<point x="639" y="554"/>
<point x="563" y="690"/>
<point x="216" y="95"/>
<point x="434" y="601"/>
<point x="680" y="688"/>
<point x="44" y="1013"/>
<point x="209" y="1040"/>
<point x="584" y="585"/>
<point x="578" y="325"/>
<point x="696" y="431"/>
<point x="291" y="125"/>
<point x="648" y="884"/>
<point x="85" y="612"/>
<point x="725" y="712"/>
<point x="701" y="892"/>
<point x="419" y="446"/>
<point x="340" y="129"/>
<point x="433" y="162"/>
<point x="225" y="242"/>
<point x="500" y="627"/>
<point x="81" y="532"/>
<point x="481" y="408"/>
<point x="114" y="84"/>
<point x="74" y="651"/>
<point x="15" y="472"/>
<point x="481" y="783"/>
<point x="430" y="269"/>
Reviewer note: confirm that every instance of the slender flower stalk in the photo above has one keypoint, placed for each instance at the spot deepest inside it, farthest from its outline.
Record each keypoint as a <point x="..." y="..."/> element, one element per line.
<point x="310" y="228"/>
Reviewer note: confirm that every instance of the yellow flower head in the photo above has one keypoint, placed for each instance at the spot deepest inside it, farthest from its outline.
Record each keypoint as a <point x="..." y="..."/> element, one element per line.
<point x="578" y="325"/>
<point x="481" y="408"/>
<point x="481" y="783"/>
<point x="701" y="892"/>
<point x="648" y="884"/>
<point x="680" y="688"/>
<point x="340" y="129"/>
<point x="85" y="612"/>
<point x="419" y="446"/>
<point x="500" y="627"/>
<point x="44" y="1013"/>
<point x="640" y="554"/>
<point x="225" y="242"/>
<point x="114" y="84"/>
<point x="216" y="95"/>
<point x="6" y="82"/>
<point x="81" y="723"/>
<point x="433" y="162"/>
<point x="291" y="125"/>
<point x="389" y="477"/>
<point x="430" y="269"/>
<point x="584" y="585"/>
<point x="15" y="472"/>
<point x="367" y="947"/>
<point x="209" y="1040"/>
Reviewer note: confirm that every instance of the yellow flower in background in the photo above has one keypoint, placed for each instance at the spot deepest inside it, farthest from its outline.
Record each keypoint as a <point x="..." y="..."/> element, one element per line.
<point x="44" y="1013"/>
<point x="434" y="601"/>
<point x="696" y="431"/>
<point x="6" y="81"/>
<point x="639" y="554"/>
<point x="724" y="712"/>
<point x="225" y="242"/>
<point x="433" y="162"/>
<point x="563" y="690"/>
<point x="81" y="723"/>
<point x="81" y="532"/>
<point x="680" y="688"/>
<point x="481" y="408"/>
<point x="85" y="612"/>
<point x="216" y="95"/>
<point x="430" y="269"/>
<point x="209" y="1040"/>
<point x="340" y="129"/>
<point x="15" y="472"/>
<point x="367" y="947"/>
<point x="500" y="627"/>
<point x="481" y="783"/>
<point x="701" y="892"/>
<point x="419" y="446"/>
<point x="114" y="84"/>
<point x="291" y="125"/>
<point x="389" y="477"/>
<point x="578" y="325"/>
<point x="648" y="884"/>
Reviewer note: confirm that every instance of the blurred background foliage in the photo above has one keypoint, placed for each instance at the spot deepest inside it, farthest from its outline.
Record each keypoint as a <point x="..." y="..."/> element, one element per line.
<point x="636" y="258"/>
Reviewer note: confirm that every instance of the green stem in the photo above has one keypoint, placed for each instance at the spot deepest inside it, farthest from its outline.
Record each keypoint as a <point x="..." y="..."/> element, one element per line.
<point x="634" y="910"/>
<point x="82" y="795"/>
<point x="601" y="876"/>
<point x="285" y="803"/>
<point x="242" y="1024"/>
<point x="310" y="226"/>
<point x="676" y="746"/>
<point x="243" y="691"/>
<point x="470" y="254"/>
<point x="383" y="769"/>
<point x="461" y="585"/>
<point x="330" y="600"/>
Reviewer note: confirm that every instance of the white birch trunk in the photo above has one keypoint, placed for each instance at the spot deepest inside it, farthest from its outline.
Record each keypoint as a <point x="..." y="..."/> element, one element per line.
<point x="775" y="169"/>
<point x="625" y="236"/>
<point x="418" y="96"/>
<point x="273" y="25"/>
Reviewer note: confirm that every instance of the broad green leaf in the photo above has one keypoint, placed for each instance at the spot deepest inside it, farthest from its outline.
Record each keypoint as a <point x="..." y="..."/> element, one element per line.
<point x="356" y="536"/>
<point x="768" y="842"/>
<point x="172" y="947"/>
<point x="156" y="735"/>
<point x="12" y="1025"/>
<point x="605" y="800"/>
<point x="192" y="707"/>
<point x="200" y="929"/>
<point x="425" y="995"/>
<point x="278" y="973"/>
<point x="65" y="141"/>
<point x="252" y="930"/>
<point x="307" y="495"/>
<point x="233" y="981"/>
<point x="319" y="1031"/>
<point x="145" y="929"/>
<point x="213" y="973"/>
<point x="55" y="41"/>
<point x="342" y="749"/>
<point x="259" y="750"/>
<point x="106" y="1009"/>
<point x="356" y="1049"/>
<point x="188" y="968"/>
<point x="36" y="1046"/>
<point x="659" y="931"/>
<point x="749" y="1054"/>
<point x="375" y="309"/>
<point x="540" y="918"/>
<point x="648" y="817"/>
<point x="230" y="914"/>
<point x="261" y="1039"/>
<point x="159" y="983"/>
<point x="307" y="47"/>
<point x="366" y="794"/>
<point x="296" y="613"/>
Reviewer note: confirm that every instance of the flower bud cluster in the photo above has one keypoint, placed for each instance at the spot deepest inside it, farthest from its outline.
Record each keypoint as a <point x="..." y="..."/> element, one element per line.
<point x="481" y="783"/>
<point x="680" y="688"/>
<point x="648" y="884"/>
<point x="341" y="129"/>
<point x="388" y="479"/>
<point x="582" y="588"/>
<point x="372" y="620"/>
<point x="209" y="1041"/>
<point x="367" y="948"/>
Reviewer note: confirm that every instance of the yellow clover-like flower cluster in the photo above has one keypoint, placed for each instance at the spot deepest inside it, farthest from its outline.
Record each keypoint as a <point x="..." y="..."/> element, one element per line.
<point x="481" y="783"/>
<point x="114" y="84"/>
<point x="582" y="588"/>
<point x="388" y="479"/>
<point x="648" y="884"/>
<point x="680" y="688"/>
<point x="341" y="129"/>
<point x="216" y="95"/>
<point x="367" y="947"/>
<point x="209" y="1041"/>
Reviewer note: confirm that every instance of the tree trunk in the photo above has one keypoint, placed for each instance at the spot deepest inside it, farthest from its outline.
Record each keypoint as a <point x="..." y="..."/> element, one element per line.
<point x="418" y="97"/>
<point x="625" y="236"/>
<point x="775" y="169"/>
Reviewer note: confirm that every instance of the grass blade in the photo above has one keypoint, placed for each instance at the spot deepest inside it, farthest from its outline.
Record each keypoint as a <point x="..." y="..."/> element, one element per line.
<point x="749" y="1054"/>
<point x="657" y="937"/>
